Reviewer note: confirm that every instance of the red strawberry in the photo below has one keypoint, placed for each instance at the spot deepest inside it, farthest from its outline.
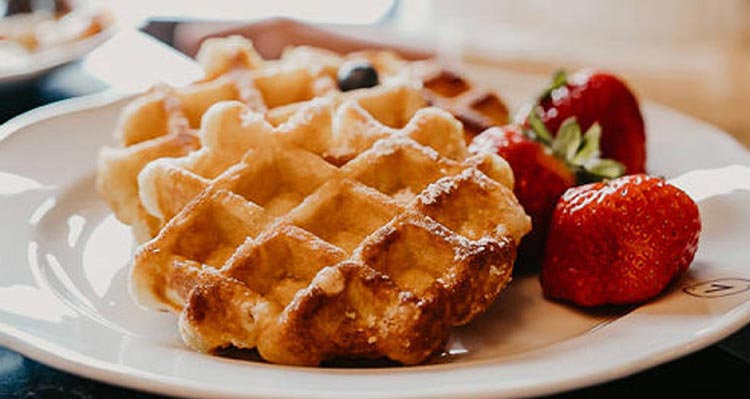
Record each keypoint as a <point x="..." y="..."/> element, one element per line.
<point x="619" y="242"/>
<point x="593" y="96"/>
<point x="544" y="168"/>
<point x="540" y="178"/>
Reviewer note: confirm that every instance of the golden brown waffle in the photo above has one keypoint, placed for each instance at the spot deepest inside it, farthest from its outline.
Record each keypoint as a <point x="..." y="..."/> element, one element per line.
<point x="376" y="251"/>
<point x="477" y="108"/>
<point x="334" y="132"/>
<point x="162" y="122"/>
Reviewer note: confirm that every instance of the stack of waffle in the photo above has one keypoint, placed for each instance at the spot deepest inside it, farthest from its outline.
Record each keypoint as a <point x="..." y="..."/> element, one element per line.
<point x="282" y="214"/>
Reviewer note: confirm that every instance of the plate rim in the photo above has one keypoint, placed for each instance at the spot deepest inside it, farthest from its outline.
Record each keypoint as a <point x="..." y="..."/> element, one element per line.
<point x="53" y="354"/>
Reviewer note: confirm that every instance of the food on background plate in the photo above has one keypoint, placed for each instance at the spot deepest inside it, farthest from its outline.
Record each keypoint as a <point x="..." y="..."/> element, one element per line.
<point x="27" y="30"/>
<point x="308" y="222"/>
<point x="619" y="242"/>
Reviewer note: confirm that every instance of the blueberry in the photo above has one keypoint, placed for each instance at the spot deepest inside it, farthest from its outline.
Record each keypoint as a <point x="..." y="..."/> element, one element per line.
<point x="357" y="75"/>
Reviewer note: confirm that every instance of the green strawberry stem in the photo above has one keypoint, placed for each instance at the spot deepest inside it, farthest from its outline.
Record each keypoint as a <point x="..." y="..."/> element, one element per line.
<point x="590" y="147"/>
<point x="559" y="79"/>
<point x="538" y="130"/>
<point x="580" y="152"/>
<point x="568" y="140"/>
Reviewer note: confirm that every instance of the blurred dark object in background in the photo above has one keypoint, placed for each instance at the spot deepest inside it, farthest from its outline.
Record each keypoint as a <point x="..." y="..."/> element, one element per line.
<point x="27" y="6"/>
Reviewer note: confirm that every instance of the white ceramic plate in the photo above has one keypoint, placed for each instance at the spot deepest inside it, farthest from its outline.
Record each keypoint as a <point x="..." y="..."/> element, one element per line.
<point x="63" y="299"/>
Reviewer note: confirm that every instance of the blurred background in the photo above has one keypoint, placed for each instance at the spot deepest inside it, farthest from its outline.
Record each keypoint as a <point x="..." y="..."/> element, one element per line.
<point x="691" y="55"/>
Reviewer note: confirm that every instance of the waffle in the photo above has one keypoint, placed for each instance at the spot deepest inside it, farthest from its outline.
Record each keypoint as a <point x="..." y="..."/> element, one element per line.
<point x="359" y="241"/>
<point x="478" y="109"/>
<point x="163" y="122"/>
<point x="166" y="185"/>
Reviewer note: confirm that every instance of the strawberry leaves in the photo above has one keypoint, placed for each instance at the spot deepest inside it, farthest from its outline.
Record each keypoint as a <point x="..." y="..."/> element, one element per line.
<point x="538" y="130"/>
<point x="590" y="147"/>
<point x="580" y="151"/>
<point x="568" y="140"/>
<point x="602" y="169"/>
<point x="593" y="95"/>
<point x="559" y="80"/>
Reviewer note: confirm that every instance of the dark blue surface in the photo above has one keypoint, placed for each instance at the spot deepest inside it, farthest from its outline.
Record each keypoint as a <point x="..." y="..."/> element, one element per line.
<point x="719" y="370"/>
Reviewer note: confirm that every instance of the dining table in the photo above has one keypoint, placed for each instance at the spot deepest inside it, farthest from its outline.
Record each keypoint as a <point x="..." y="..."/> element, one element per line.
<point x="714" y="371"/>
